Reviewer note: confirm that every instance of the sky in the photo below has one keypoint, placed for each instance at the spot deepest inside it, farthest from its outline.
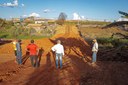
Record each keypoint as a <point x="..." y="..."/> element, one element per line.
<point x="74" y="9"/>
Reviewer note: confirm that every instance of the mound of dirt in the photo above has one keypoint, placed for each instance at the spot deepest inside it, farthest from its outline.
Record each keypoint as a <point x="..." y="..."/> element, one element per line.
<point x="114" y="54"/>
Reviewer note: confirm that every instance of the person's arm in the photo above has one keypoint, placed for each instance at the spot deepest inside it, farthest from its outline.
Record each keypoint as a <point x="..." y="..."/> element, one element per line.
<point x="63" y="50"/>
<point x="27" y="48"/>
<point x="37" y="49"/>
<point x="53" y="48"/>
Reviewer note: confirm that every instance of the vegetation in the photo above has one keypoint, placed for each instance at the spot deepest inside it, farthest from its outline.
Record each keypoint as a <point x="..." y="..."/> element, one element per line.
<point x="104" y="36"/>
<point x="112" y="42"/>
<point x="125" y="15"/>
<point x="93" y="23"/>
<point x="10" y="30"/>
<point x="62" y="18"/>
<point x="111" y="48"/>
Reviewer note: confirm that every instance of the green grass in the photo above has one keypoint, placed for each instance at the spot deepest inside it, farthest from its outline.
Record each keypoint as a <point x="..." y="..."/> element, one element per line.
<point x="87" y="22"/>
<point x="112" y="42"/>
<point x="7" y="36"/>
<point x="32" y="37"/>
<point x="100" y="33"/>
<point x="13" y="33"/>
<point x="103" y="36"/>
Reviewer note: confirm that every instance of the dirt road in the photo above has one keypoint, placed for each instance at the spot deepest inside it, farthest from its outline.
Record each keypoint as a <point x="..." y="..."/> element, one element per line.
<point x="77" y="68"/>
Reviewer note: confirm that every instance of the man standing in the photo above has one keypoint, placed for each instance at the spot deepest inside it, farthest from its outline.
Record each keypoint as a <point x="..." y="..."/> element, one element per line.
<point x="14" y="46"/>
<point x="94" y="50"/>
<point x="59" y="50"/>
<point x="33" y="51"/>
<point x="19" y="52"/>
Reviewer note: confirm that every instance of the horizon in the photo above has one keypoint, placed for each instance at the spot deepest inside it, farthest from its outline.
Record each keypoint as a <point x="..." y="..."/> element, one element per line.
<point x="74" y="9"/>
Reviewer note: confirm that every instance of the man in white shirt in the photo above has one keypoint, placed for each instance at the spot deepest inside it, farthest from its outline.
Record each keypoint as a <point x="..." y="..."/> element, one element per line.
<point x="94" y="50"/>
<point x="59" y="50"/>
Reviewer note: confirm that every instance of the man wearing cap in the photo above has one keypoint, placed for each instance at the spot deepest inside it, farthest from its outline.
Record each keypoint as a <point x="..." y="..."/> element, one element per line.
<point x="94" y="50"/>
<point x="59" y="50"/>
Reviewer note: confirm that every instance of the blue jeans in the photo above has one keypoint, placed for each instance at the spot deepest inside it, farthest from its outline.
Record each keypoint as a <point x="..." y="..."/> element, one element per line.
<point x="34" y="60"/>
<point x="94" y="56"/>
<point x="58" y="58"/>
<point x="19" y="57"/>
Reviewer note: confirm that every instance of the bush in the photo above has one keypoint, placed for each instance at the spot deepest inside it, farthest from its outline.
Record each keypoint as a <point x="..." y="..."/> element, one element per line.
<point x="104" y="40"/>
<point x="112" y="41"/>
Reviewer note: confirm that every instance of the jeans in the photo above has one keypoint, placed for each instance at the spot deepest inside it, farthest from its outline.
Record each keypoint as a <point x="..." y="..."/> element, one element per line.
<point x="34" y="60"/>
<point x="94" y="56"/>
<point x="58" y="59"/>
<point x="19" y="57"/>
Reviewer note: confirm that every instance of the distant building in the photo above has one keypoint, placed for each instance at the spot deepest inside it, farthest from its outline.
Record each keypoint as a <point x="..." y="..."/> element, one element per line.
<point x="39" y="21"/>
<point x="16" y="19"/>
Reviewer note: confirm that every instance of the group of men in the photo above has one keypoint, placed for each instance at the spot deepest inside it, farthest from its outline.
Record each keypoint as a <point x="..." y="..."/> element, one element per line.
<point x="57" y="48"/>
<point x="31" y="48"/>
<point x="59" y="51"/>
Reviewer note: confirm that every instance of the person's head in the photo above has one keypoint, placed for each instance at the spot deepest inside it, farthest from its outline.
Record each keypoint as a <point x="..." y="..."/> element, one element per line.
<point x="15" y="40"/>
<point x="19" y="40"/>
<point x="94" y="40"/>
<point x="32" y="41"/>
<point x="58" y="42"/>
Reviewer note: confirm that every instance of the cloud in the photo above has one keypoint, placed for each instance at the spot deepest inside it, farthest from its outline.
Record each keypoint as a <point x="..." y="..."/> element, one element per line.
<point x="76" y="16"/>
<point x="46" y="10"/>
<point x="82" y="17"/>
<point x="24" y="16"/>
<point x="122" y="19"/>
<point x="34" y="15"/>
<point x="30" y="15"/>
<point x="22" y="5"/>
<point x="13" y="4"/>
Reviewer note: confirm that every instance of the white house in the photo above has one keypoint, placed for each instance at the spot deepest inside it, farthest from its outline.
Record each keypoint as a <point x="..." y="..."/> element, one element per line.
<point x="39" y="21"/>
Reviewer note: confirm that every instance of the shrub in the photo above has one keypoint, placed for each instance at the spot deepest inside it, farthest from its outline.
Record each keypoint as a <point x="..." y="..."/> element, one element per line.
<point x="112" y="41"/>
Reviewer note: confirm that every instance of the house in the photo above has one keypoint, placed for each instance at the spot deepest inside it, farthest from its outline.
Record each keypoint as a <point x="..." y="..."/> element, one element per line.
<point x="39" y="21"/>
<point x="16" y="19"/>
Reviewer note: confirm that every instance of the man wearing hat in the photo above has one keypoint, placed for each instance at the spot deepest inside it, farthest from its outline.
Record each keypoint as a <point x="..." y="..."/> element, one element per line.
<point x="94" y="50"/>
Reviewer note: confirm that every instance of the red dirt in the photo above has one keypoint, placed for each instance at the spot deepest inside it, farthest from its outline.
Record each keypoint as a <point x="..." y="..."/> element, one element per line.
<point x="77" y="68"/>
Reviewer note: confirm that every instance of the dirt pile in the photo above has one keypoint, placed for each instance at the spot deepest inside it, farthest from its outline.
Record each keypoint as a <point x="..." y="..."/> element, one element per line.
<point x="114" y="54"/>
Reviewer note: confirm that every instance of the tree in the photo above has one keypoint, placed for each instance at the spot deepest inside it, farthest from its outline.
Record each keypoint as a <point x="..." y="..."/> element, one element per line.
<point x="61" y="19"/>
<point x="2" y="22"/>
<point x="125" y="15"/>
